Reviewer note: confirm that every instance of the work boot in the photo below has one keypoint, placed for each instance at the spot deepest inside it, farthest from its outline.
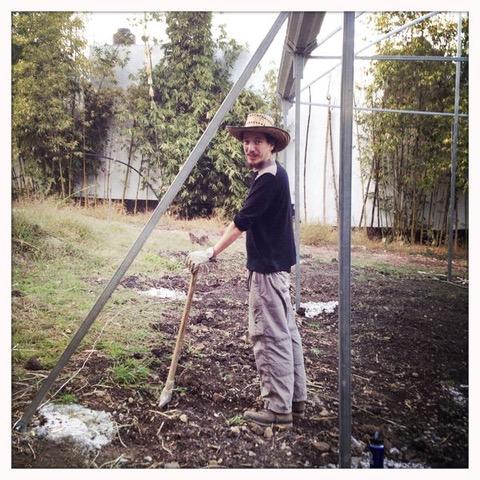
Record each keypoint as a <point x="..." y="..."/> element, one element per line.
<point x="268" y="417"/>
<point x="298" y="410"/>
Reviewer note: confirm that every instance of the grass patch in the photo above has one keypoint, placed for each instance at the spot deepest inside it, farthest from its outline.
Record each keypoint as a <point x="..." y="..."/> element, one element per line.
<point x="156" y="262"/>
<point x="112" y="349"/>
<point x="27" y="237"/>
<point x="66" y="399"/>
<point x="235" y="420"/>
<point x="130" y="372"/>
<point x="60" y="253"/>
<point x="316" y="234"/>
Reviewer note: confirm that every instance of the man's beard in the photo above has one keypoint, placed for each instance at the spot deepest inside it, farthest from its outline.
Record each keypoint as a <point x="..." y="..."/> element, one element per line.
<point x="258" y="166"/>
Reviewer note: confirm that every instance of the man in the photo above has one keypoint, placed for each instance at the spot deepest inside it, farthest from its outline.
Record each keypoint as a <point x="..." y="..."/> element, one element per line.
<point x="266" y="216"/>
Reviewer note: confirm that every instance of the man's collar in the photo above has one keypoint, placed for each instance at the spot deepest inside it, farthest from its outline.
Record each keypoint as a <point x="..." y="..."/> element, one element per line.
<point x="272" y="168"/>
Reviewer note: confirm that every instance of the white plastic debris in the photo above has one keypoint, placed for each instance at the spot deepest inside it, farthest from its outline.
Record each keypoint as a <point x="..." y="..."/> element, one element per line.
<point x="313" y="309"/>
<point x="90" y="429"/>
<point x="164" y="293"/>
<point x="364" y="462"/>
<point x="457" y="396"/>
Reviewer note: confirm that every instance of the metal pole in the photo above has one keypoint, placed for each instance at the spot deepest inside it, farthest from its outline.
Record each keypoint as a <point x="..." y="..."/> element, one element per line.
<point x="389" y="110"/>
<point x="374" y="42"/>
<point x="453" y="168"/>
<point x="285" y="109"/>
<point x="158" y="212"/>
<point x="391" y="58"/>
<point x="334" y="32"/>
<point x="345" y="184"/>
<point x="298" y="75"/>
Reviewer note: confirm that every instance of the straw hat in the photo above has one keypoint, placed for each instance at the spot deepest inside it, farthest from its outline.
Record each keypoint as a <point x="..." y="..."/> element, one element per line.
<point x="262" y="123"/>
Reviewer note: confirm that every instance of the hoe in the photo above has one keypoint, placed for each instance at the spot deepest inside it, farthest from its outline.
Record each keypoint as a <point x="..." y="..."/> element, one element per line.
<point x="167" y="391"/>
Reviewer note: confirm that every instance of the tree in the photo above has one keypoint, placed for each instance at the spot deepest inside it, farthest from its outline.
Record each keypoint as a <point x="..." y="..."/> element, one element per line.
<point x="409" y="155"/>
<point x="48" y="65"/>
<point x="63" y="103"/>
<point x="190" y="82"/>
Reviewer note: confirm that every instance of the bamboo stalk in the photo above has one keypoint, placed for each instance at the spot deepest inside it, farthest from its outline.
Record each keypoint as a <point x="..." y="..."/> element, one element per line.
<point x="305" y="155"/>
<point x="465" y="197"/>
<point x="334" y="176"/>
<point x="127" y="173"/>
<point x="325" y="171"/>
<point x="138" y="186"/>
<point x="62" y="180"/>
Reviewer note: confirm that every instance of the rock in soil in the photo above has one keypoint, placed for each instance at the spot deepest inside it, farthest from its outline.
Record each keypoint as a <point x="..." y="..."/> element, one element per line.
<point x="33" y="363"/>
<point x="321" y="446"/>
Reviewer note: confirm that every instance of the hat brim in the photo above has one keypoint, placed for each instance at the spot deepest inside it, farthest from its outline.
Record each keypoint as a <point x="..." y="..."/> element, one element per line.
<point x="281" y="137"/>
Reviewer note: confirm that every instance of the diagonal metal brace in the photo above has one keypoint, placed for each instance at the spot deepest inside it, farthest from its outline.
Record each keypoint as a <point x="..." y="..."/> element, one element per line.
<point x="164" y="203"/>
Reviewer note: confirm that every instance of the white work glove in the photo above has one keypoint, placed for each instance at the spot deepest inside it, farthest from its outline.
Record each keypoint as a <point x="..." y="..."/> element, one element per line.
<point x="198" y="258"/>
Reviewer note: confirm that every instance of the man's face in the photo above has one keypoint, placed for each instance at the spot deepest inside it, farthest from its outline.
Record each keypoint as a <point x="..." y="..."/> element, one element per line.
<point x="257" y="149"/>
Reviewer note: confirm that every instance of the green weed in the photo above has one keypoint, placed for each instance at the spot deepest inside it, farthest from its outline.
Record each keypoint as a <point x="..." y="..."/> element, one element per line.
<point x="27" y="237"/>
<point x="67" y="399"/>
<point x="156" y="262"/>
<point x="235" y="420"/>
<point x="129" y="372"/>
<point x="112" y="349"/>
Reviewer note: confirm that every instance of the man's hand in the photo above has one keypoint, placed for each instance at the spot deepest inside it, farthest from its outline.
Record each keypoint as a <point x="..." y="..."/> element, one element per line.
<point x="198" y="258"/>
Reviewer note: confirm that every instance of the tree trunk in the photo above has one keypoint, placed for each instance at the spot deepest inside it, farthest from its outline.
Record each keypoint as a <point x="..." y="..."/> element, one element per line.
<point x="70" y="174"/>
<point x="334" y="176"/>
<point x="455" y="211"/>
<point x="365" y="198"/>
<point x="62" y="179"/>
<point x="108" y="192"/>
<point x="148" y="180"/>
<point x="375" y="192"/>
<point x="305" y="155"/>
<point x="465" y="197"/>
<point x="85" y="193"/>
<point x="422" y="216"/>
<point x="413" y="218"/>
<point x="445" y="216"/>
<point x="138" y="186"/>
<point x="127" y="173"/>
<point x="96" y="190"/>
<point x="84" y="189"/>
<point x="325" y="172"/>
<point x="22" y="173"/>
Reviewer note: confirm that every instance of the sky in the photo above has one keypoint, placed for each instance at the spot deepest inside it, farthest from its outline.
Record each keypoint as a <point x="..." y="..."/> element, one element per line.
<point x="246" y="27"/>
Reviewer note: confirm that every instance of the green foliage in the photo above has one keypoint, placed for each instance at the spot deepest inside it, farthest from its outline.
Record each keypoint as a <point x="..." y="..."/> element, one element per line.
<point x="57" y="113"/>
<point x="129" y="371"/>
<point x="101" y="95"/>
<point x="67" y="399"/>
<point x="409" y="156"/>
<point x="190" y="83"/>
<point x="235" y="420"/>
<point x="158" y="263"/>
<point x="27" y="237"/>
<point x="65" y="104"/>
<point x="48" y="64"/>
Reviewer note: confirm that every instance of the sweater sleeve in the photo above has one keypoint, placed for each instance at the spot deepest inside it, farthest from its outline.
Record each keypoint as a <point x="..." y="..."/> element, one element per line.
<point x="258" y="201"/>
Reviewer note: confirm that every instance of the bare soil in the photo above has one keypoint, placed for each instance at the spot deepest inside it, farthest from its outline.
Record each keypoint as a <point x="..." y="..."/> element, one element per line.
<point x="409" y="351"/>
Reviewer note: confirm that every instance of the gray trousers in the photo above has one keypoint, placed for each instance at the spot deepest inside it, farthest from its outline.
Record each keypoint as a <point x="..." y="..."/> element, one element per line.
<point x="277" y="345"/>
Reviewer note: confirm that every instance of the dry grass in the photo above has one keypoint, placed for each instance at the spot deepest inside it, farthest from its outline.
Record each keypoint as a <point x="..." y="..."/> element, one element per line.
<point x="326" y="235"/>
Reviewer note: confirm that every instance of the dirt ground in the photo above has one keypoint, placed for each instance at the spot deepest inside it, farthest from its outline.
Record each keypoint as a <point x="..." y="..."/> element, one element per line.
<point x="409" y="376"/>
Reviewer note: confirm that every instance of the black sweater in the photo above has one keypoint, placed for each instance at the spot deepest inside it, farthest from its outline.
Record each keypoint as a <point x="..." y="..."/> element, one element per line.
<point x="266" y="216"/>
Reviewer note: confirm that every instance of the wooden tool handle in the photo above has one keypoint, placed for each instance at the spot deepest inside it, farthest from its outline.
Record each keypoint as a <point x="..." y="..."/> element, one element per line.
<point x="181" y="329"/>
